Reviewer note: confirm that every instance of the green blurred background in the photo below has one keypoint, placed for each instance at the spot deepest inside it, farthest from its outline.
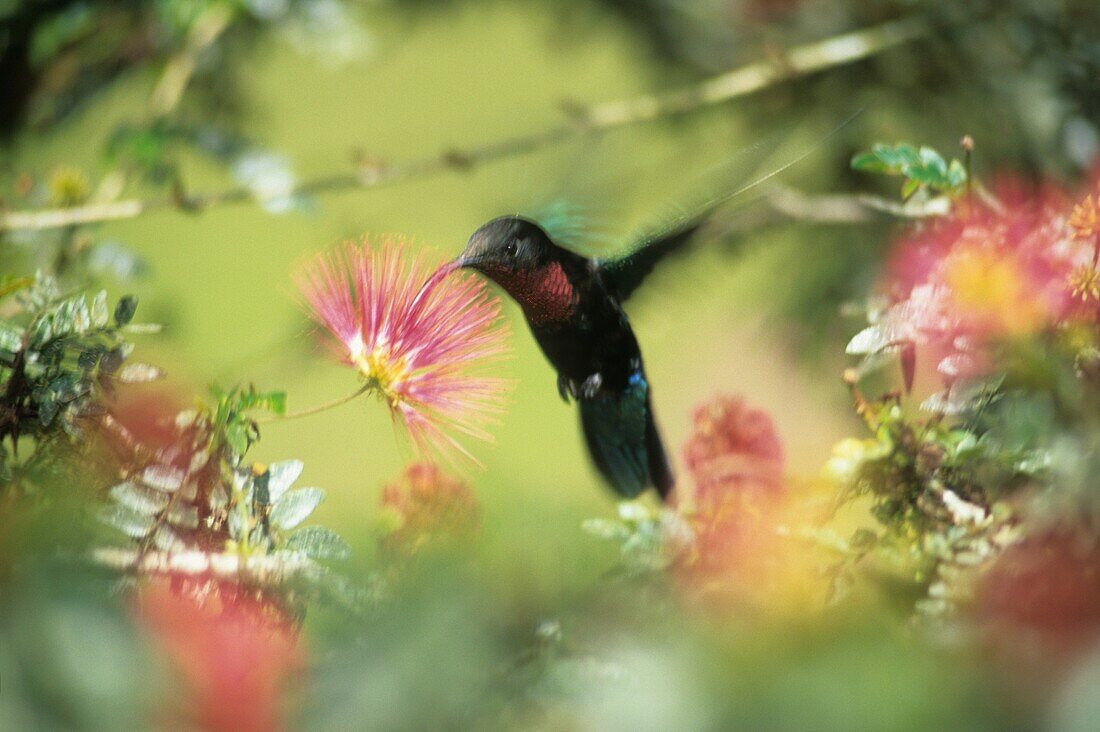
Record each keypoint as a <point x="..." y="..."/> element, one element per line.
<point x="220" y="279"/>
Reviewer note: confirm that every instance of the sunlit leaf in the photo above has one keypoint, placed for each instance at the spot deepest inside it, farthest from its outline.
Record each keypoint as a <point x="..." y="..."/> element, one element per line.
<point x="183" y="515"/>
<point x="295" y="507"/>
<point x="11" y="337"/>
<point x="318" y="542"/>
<point x="140" y="499"/>
<point x="99" y="314"/>
<point x="167" y="540"/>
<point x="139" y="373"/>
<point x="281" y="476"/>
<point x="128" y="521"/>
<point x="163" y="477"/>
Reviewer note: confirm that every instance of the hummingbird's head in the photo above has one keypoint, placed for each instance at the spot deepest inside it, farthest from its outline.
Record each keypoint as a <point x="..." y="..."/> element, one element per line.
<point x="507" y="247"/>
<point x="519" y="256"/>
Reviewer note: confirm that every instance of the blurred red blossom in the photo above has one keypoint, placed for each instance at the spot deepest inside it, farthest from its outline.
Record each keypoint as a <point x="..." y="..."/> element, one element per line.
<point x="733" y="449"/>
<point x="987" y="273"/>
<point x="1045" y="588"/>
<point x="426" y="506"/>
<point x="736" y="460"/>
<point x="234" y="652"/>
<point x="148" y="413"/>
<point x="417" y="335"/>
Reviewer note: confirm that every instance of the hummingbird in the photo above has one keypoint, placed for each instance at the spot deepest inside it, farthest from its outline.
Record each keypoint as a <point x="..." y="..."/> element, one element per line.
<point x="574" y="307"/>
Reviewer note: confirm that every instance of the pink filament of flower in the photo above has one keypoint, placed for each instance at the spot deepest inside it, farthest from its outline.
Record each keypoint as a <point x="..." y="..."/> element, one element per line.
<point x="414" y="334"/>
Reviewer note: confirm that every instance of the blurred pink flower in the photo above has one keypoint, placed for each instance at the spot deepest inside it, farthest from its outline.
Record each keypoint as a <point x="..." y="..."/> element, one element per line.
<point x="736" y="459"/>
<point x="1042" y="594"/>
<point x="417" y="336"/>
<point x="233" y="652"/>
<point x="733" y="448"/>
<point x="985" y="274"/>
<point x="426" y="506"/>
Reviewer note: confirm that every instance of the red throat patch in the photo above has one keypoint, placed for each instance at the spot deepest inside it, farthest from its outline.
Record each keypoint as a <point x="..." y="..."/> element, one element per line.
<point x="546" y="294"/>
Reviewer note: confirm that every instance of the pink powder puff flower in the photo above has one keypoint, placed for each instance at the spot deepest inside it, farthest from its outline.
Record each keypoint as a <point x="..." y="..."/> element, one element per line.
<point x="419" y="338"/>
<point x="958" y="287"/>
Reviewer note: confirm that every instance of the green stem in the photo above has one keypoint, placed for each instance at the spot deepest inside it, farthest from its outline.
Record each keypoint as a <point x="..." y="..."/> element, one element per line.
<point x="318" y="408"/>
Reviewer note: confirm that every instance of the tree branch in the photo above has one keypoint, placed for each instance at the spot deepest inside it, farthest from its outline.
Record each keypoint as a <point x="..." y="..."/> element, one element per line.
<point x="795" y="63"/>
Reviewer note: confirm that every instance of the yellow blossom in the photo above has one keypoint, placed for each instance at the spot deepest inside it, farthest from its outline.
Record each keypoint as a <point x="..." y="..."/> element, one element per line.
<point x="1085" y="219"/>
<point x="1084" y="283"/>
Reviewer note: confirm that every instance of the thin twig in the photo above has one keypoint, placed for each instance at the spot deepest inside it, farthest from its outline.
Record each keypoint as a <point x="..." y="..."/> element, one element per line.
<point x="179" y="70"/>
<point x="797" y="62"/>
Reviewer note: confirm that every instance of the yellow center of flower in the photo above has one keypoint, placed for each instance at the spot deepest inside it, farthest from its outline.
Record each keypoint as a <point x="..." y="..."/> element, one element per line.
<point x="383" y="372"/>
<point x="990" y="287"/>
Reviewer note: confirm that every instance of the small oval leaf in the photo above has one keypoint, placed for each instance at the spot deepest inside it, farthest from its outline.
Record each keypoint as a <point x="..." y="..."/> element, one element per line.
<point x="317" y="542"/>
<point x="281" y="476"/>
<point x="163" y="478"/>
<point x="139" y="498"/>
<point x="139" y="373"/>
<point x="125" y="309"/>
<point x="295" y="507"/>
<point x="128" y="521"/>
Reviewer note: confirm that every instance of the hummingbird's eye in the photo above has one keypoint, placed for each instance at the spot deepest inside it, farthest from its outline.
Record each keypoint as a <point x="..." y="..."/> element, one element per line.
<point x="510" y="249"/>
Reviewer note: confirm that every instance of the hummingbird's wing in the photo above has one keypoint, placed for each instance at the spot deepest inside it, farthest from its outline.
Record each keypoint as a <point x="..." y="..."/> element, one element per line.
<point x="624" y="274"/>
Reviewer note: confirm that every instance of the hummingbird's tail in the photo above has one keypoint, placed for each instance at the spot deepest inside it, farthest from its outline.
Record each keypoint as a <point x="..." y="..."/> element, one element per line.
<point x="623" y="440"/>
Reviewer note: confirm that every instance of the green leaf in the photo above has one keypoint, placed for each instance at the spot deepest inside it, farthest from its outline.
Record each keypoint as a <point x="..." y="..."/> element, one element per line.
<point x="126" y="520"/>
<point x="99" y="314"/>
<point x="67" y="387"/>
<point x="163" y="478"/>
<point x="868" y="162"/>
<point x="143" y="328"/>
<point x="79" y="318"/>
<point x="605" y="529"/>
<point x="89" y="357"/>
<point x="11" y="337"/>
<point x="317" y="542"/>
<point x="897" y="157"/>
<point x="41" y="331"/>
<point x="956" y="175"/>
<point x="183" y="515"/>
<point x="236" y="524"/>
<point x="276" y="402"/>
<point x="281" y="476"/>
<point x="47" y="409"/>
<point x="139" y="498"/>
<point x="911" y="186"/>
<point x="295" y="507"/>
<point x="167" y="540"/>
<point x="238" y="437"/>
<point x="139" y="373"/>
<point x="125" y="309"/>
<point x="932" y="164"/>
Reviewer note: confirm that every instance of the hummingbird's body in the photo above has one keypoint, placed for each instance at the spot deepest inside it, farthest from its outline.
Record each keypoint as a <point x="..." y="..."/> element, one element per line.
<point x="573" y="305"/>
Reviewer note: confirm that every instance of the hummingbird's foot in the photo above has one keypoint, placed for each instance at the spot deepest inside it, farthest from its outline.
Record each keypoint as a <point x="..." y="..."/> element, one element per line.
<point x="566" y="388"/>
<point x="591" y="386"/>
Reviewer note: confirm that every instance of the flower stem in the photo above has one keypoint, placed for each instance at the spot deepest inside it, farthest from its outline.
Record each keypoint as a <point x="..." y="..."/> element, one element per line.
<point x="318" y="408"/>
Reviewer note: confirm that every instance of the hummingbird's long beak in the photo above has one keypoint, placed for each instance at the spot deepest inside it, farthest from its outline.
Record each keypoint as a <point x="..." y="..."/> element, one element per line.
<point x="465" y="261"/>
